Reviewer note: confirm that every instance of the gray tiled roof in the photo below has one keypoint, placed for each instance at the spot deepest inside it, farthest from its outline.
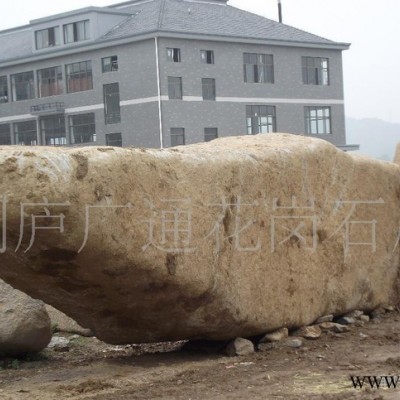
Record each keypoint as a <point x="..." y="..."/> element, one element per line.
<point x="175" y="16"/>
<point x="208" y="19"/>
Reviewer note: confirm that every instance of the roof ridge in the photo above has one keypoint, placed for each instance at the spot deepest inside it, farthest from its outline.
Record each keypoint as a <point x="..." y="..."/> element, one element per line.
<point x="279" y="23"/>
<point x="161" y="15"/>
<point x="120" y="24"/>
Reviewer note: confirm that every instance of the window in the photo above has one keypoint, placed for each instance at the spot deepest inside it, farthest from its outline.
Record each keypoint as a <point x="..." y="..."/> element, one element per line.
<point x="207" y="56"/>
<point x="76" y="32"/>
<point x="25" y="133"/>
<point x="50" y="82"/>
<point x="47" y="38"/>
<point x="318" y="120"/>
<point x="3" y="89"/>
<point x="79" y="76"/>
<point x="208" y="88"/>
<point x="210" y="134"/>
<point x="174" y="87"/>
<point x="5" y="135"/>
<point x="260" y="119"/>
<point x="114" y="139"/>
<point x="52" y="130"/>
<point x="82" y="128"/>
<point x="22" y="86"/>
<point x="177" y="136"/>
<point x="112" y="110"/>
<point x="315" y="70"/>
<point x="258" y="68"/>
<point x="173" y="54"/>
<point x="109" y="64"/>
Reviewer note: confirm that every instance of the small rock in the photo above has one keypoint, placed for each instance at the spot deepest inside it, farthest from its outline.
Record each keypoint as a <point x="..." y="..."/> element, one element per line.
<point x="363" y="335"/>
<point x="239" y="347"/>
<point x="336" y="335"/>
<point x="334" y="327"/>
<point x="275" y="336"/>
<point x="355" y="314"/>
<point x="346" y="321"/>
<point x="293" y="342"/>
<point x="378" y="312"/>
<point x="309" y="332"/>
<point x="388" y="308"/>
<point x="267" y="346"/>
<point x="359" y="323"/>
<point x="364" y="318"/>
<point x="59" y="343"/>
<point x="324" y="318"/>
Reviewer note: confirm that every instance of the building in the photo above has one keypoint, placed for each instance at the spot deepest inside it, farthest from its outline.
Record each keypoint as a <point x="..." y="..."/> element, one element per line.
<point x="160" y="73"/>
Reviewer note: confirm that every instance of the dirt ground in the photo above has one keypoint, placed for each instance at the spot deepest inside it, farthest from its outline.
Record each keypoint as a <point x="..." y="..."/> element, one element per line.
<point x="320" y="369"/>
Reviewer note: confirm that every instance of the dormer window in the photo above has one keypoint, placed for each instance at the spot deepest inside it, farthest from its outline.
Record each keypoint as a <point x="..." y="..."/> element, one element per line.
<point x="47" y="38"/>
<point x="76" y="32"/>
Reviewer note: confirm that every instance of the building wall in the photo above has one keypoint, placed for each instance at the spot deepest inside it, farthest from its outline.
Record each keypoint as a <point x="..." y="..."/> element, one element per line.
<point x="136" y="76"/>
<point x="138" y="91"/>
<point x="229" y="115"/>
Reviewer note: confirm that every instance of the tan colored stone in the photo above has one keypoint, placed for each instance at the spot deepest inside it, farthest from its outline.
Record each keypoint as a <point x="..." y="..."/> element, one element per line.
<point x="354" y="314"/>
<point x="334" y="327"/>
<point x="364" y="318"/>
<point x="275" y="336"/>
<point x="62" y="323"/>
<point x="308" y="332"/>
<point x="223" y="279"/>
<point x="24" y="323"/>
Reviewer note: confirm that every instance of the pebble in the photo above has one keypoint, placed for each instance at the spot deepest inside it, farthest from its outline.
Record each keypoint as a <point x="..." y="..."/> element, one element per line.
<point x="309" y="332"/>
<point x="334" y="327"/>
<point x="59" y="343"/>
<point x="364" y="318"/>
<point x="239" y="347"/>
<point x="388" y="308"/>
<point x="266" y="346"/>
<point x="378" y="312"/>
<point x="275" y="336"/>
<point x="293" y="342"/>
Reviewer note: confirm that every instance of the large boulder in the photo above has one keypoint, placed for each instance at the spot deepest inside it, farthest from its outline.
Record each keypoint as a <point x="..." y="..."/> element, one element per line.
<point x="231" y="238"/>
<point x="24" y="323"/>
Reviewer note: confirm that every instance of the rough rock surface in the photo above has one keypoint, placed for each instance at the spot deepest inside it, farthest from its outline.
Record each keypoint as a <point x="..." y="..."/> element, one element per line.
<point x="24" y="323"/>
<point x="201" y="251"/>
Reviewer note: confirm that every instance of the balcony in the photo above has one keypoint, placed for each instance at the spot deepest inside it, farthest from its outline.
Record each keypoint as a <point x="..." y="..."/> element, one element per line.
<point x="48" y="108"/>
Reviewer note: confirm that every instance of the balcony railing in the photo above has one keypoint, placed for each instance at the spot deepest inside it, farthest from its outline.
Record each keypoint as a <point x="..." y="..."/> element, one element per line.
<point x="48" y="108"/>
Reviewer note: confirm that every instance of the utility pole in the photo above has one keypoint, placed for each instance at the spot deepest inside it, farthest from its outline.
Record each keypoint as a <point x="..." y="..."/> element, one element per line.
<point x="280" y="11"/>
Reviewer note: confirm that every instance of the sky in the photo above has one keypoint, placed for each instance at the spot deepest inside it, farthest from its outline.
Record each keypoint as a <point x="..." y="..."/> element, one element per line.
<point x="371" y="66"/>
